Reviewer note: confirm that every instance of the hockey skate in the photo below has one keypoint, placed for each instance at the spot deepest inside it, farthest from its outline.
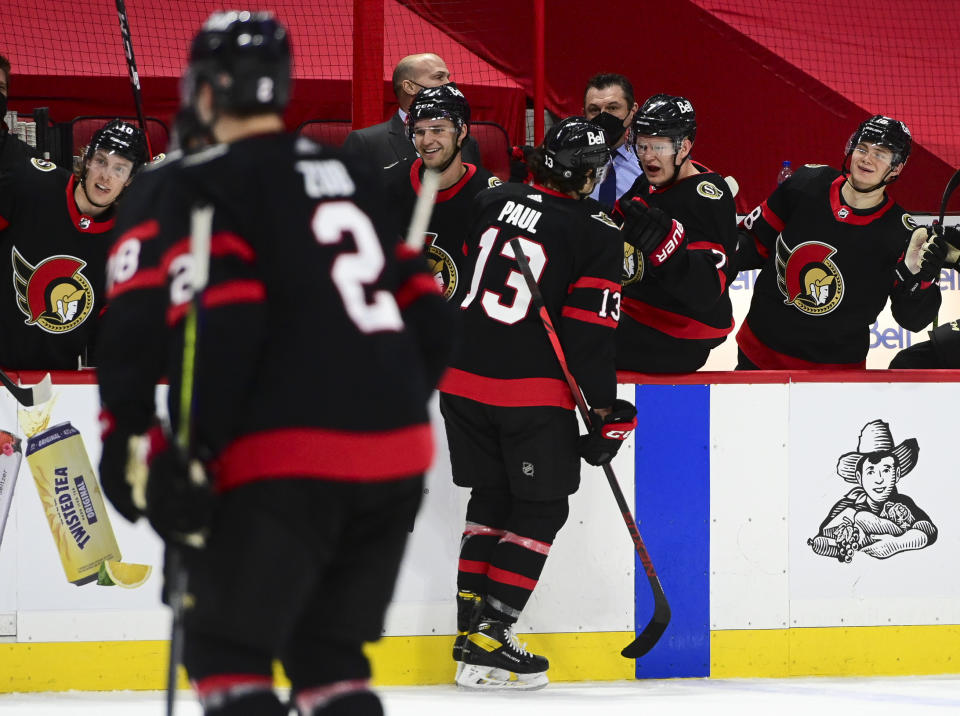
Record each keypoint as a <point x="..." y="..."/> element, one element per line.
<point x="494" y="659"/>
<point x="468" y="611"/>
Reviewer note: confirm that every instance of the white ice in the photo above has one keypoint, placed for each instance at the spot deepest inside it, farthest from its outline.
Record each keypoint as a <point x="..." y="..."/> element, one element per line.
<point x="878" y="696"/>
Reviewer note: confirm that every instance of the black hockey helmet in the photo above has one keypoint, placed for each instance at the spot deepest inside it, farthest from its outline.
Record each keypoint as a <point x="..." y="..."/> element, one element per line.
<point x="886" y="132"/>
<point x="664" y="115"/>
<point x="573" y="146"/>
<point x="442" y="102"/>
<point x="245" y="57"/>
<point x="121" y="138"/>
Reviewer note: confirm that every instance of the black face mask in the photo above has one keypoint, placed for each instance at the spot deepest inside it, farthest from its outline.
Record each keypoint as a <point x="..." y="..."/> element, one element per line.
<point x="3" y="106"/>
<point x="611" y="125"/>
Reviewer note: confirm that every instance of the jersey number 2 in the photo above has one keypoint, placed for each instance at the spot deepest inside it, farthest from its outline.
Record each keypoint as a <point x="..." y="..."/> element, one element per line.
<point x="352" y="271"/>
<point x="493" y="305"/>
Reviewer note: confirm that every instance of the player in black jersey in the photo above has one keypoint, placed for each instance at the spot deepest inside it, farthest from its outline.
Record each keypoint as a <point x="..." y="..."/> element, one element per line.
<point x="438" y="123"/>
<point x="309" y="391"/>
<point x="833" y="246"/>
<point x="680" y="234"/>
<point x="55" y="231"/>
<point x="508" y="412"/>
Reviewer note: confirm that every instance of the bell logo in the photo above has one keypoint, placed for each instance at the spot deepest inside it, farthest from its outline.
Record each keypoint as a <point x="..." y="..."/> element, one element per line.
<point x="595" y="139"/>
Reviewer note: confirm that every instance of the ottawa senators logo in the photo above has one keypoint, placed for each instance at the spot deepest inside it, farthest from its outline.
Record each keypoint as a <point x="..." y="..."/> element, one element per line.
<point x="632" y="264"/>
<point x="441" y="265"/>
<point x="807" y="277"/>
<point x="54" y="294"/>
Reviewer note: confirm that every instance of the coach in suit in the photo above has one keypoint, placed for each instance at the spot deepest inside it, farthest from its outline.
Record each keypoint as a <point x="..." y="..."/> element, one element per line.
<point x="387" y="143"/>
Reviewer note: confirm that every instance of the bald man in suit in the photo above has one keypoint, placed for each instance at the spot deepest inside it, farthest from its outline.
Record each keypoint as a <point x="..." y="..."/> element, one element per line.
<point x="387" y="143"/>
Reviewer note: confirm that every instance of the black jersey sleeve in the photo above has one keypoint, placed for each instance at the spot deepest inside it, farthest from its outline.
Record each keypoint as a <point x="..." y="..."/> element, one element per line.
<point x="913" y="303"/>
<point x="699" y="275"/>
<point x="759" y="229"/>
<point x="131" y="345"/>
<point x="589" y="316"/>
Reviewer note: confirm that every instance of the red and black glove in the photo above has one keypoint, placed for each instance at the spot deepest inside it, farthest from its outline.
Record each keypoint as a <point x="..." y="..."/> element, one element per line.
<point x="600" y="445"/>
<point x="656" y="235"/>
<point x="114" y="459"/>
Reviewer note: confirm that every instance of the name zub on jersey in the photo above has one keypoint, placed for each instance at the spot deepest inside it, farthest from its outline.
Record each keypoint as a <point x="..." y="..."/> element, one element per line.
<point x="54" y="295"/>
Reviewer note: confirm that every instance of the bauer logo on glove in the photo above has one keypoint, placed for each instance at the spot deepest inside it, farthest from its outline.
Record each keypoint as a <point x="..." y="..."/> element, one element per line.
<point x="607" y="434"/>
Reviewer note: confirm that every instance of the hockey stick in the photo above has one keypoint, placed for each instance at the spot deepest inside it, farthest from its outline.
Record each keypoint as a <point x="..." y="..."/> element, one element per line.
<point x="422" y="210"/>
<point x="654" y="629"/>
<point x="951" y="186"/>
<point x="201" y="228"/>
<point x="29" y="396"/>
<point x="132" y="68"/>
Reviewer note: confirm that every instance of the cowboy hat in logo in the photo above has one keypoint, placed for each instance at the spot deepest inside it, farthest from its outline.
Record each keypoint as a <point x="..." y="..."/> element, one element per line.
<point x="807" y="277"/>
<point x="54" y="294"/>
<point x="874" y="518"/>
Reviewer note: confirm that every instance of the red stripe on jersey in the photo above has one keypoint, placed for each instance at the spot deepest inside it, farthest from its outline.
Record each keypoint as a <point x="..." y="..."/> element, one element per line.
<point x="507" y="392"/>
<point x="673" y="324"/>
<point x="591" y="282"/>
<point x="471" y="566"/>
<point x="226" y="243"/>
<point x="475" y="528"/>
<point x="766" y="358"/>
<point x="3" y="223"/>
<point x="320" y="453"/>
<point x="586" y="316"/>
<point x="405" y="253"/>
<point x="226" y="682"/>
<point x="776" y="223"/>
<point x="707" y="246"/>
<point x="844" y="213"/>
<point x="144" y="231"/>
<point x="527" y="543"/>
<point x="92" y="225"/>
<point x="247" y="291"/>
<point x="419" y="285"/>
<point x="511" y="578"/>
<point x="147" y="278"/>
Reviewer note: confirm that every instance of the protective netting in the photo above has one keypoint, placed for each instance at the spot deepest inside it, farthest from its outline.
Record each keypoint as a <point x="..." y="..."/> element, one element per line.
<point x="70" y="56"/>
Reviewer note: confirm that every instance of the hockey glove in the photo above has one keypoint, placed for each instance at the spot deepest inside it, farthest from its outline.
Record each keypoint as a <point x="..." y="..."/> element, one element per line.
<point x="607" y="434"/>
<point x="654" y="233"/>
<point x="115" y="464"/>
<point x="519" y="169"/>
<point x="937" y="252"/>
<point x="179" y="499"/>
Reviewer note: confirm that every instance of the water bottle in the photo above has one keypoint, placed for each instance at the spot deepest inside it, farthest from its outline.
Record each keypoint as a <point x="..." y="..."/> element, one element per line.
<point x="785" y="172"/>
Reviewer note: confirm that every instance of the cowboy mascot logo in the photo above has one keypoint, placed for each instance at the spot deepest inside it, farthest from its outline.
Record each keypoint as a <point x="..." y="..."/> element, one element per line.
<point x="874" y="518"/>
<point x="807" y="278"/>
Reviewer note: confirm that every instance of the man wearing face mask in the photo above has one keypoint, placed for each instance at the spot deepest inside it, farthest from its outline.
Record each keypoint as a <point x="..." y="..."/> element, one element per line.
<point x="608" y="102"/>
<point x="12" y="148"/>
<point x="680" y="233"/>
<point x="387" y="143"/>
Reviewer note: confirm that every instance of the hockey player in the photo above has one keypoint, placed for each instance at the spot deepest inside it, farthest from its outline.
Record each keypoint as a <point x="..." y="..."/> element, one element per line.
<point x="55" y="231"/>
<point x="316" y="454"/>
<point x="832" y="247"/>
<point x="508" y="413"/>
<point x="680" y="232"/>
<point x="439" y="124"/>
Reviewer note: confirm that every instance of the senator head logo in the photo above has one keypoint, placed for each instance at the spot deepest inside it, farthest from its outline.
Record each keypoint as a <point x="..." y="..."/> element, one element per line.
<point x="807" y="278"/>
<point x="632" y="264"/>
<point x="53" y="295"/>
<point x="441" y="266"/>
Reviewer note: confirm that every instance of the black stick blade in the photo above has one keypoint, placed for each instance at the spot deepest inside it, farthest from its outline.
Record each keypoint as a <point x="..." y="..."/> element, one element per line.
<point x="951" y="186"/>
<point x="29" y="396"/>
<point x="648" y="638"/>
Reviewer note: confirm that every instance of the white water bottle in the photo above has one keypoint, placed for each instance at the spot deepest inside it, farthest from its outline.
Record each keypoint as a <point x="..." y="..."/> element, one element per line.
<point x="785" y="172"/>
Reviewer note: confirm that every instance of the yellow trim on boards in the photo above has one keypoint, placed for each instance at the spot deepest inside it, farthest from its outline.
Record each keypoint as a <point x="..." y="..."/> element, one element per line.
<point x="835" y="651"/>
<point x="142" y="665"/>
<point x="595" y="656"/>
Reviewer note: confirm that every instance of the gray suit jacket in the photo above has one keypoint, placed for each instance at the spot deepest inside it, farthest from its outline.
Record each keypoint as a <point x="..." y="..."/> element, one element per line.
<point x="387" y="143"/>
